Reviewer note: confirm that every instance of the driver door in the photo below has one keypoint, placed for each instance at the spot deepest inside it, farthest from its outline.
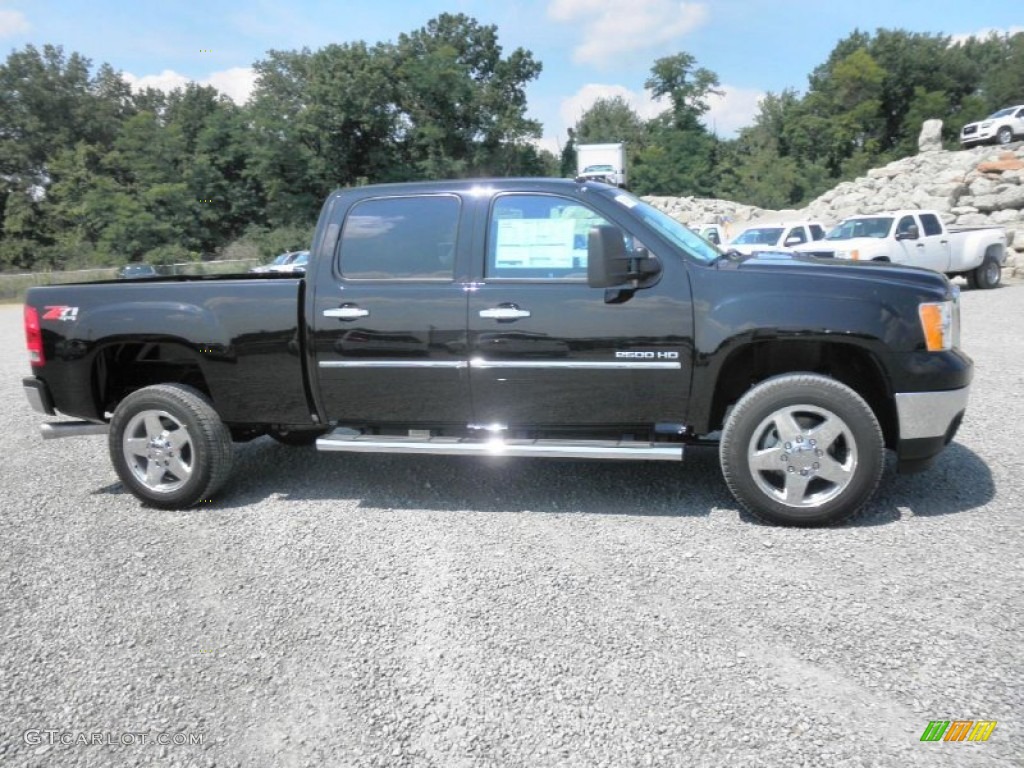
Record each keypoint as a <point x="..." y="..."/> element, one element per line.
<point x="545" y="347"/>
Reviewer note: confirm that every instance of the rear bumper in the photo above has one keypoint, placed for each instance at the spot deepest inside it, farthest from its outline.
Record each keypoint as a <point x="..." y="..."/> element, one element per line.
<point x="928" y="422"/>
<point x="38" y="395"/>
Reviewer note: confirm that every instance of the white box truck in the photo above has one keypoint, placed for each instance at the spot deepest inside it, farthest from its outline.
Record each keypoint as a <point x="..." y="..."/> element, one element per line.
<point x="601" y="162"/>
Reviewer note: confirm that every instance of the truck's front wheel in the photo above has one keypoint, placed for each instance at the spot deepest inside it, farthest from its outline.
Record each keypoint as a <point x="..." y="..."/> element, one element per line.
<point x="802" y="449"/>
<point x="169" y="447"/>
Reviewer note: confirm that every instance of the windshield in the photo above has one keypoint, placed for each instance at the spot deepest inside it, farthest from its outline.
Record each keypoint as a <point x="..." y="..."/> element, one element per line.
<point x="594" y="168"/>
<point x="759" y="236"/>
<point x="670" y="229"/>
<point x="878" y="226"/>
<point x="1003" y="112"/>
<point x="282" y="259"/>
<point x="302" y="258"/>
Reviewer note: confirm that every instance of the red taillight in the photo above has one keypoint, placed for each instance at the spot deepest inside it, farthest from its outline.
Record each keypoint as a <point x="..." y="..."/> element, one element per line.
<point x="33" y="336"/>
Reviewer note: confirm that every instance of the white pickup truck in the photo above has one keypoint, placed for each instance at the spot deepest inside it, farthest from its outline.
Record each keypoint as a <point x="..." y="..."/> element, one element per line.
<point x="785" y="234"/>
<point x="918" y="239"/>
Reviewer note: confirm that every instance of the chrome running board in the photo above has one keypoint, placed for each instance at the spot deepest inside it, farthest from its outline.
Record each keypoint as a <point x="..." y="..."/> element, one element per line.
<point x="344" y="440"/>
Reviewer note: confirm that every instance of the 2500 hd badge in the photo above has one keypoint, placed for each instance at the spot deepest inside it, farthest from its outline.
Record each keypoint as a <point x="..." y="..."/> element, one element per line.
<point x="647" y="355"/>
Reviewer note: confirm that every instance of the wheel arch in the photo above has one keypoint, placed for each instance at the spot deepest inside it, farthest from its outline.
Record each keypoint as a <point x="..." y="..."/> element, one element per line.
<point x="120" y="367"/>
<point x="853" y="365"/>
<point x="995" y="251"/>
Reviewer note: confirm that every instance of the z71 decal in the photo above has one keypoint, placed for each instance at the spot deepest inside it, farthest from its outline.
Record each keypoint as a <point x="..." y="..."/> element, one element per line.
<point x="61" y="313"/>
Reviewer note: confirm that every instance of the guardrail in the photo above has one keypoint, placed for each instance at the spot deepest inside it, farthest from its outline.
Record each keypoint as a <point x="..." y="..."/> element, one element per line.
<point x="13" y="286"/>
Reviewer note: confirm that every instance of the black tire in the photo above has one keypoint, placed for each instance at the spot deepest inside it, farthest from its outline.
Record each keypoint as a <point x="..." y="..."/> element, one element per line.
<point x="1004" y="136"/>
<point x="972" y="280"/>
<point x="828" y="467"/>
<point x="296" y="438"/>
<point x="169" y="446"/>
<point x="988" y="275"/>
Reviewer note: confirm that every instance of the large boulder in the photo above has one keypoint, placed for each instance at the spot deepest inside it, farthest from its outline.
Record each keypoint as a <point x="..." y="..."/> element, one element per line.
<point x="930" y="138"/>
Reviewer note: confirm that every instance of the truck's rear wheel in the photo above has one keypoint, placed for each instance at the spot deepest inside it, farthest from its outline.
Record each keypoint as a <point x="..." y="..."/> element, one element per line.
<point x="169" y="447"/>
<point x="988" y="275"/>
<point x="802" y="449"/>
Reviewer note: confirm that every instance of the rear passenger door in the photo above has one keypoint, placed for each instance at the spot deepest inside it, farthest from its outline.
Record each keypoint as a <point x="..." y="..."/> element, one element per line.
<point x="936" y="243"/>
<point x="928" y="250"/>
<point x="390" y="335"/>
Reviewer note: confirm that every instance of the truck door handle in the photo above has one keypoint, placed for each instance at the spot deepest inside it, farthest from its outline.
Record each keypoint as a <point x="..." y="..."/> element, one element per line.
<point x="348" y="312"/>
<point x="510" y="312"/>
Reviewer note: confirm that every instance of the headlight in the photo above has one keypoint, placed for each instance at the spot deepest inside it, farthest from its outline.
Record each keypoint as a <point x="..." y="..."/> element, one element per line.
<point x="986" y="124"/>
<point x="938" y="322"/>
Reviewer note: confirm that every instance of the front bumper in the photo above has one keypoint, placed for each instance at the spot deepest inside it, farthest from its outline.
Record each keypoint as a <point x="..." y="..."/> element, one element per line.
<point x="928" y="422"/>
<point x="980" y="136"/>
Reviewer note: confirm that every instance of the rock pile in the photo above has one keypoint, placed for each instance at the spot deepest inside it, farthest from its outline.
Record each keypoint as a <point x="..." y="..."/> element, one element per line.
<point x="983" y="186"/>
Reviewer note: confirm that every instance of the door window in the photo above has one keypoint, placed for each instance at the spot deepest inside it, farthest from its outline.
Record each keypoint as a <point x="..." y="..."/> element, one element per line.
<point x="817" y="232"/>
<point x="539" y="237"/>
<point x="906" y="226"/>
<point x="795" y="236"/>
<point x="931" y="224"/>
<point x="400" y="238"/>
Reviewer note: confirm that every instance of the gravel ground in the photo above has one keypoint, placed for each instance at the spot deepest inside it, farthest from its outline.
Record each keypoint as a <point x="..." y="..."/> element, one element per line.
<point x="431" y="611"/>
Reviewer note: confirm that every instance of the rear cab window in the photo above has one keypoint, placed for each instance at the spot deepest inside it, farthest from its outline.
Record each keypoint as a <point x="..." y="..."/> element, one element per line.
<point x="400" y="238"/>
<point x="931" y="224"/>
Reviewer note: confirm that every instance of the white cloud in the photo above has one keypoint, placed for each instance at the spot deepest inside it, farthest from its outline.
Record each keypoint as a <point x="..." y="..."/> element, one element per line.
<point x="736" y="108"/>
<point x="167" y="80"/>
<point x="612" y="27"/>
<point x="13" y="23"/>
<point x="573" y="107"/>
<point x="236" y="83"/>
<point x="984" y="34"/>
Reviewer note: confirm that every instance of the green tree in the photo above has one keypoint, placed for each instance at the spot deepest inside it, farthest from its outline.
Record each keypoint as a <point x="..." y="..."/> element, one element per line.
<point x="609" y="119"/>
<point x="677" y="155"/>
<point x="459" y="99"/>
<point x="686" y="85"/>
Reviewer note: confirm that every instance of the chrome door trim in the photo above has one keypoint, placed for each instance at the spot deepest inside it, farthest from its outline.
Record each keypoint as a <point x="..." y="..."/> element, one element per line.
<point x="455" y="364"/>
<point x="612" y="365"/>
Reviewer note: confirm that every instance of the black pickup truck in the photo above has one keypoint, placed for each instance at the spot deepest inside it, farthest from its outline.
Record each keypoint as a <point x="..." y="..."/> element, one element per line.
<point x="515" y="317"/>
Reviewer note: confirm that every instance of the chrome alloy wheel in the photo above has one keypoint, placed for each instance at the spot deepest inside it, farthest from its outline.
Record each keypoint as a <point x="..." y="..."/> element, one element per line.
<point x="802" y="455"/>
<point x="158" y="450"/>
<point x="992" y="271"/>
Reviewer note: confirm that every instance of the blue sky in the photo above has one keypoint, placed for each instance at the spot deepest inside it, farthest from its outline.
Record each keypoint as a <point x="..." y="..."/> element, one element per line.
<point x="589" y="48"/>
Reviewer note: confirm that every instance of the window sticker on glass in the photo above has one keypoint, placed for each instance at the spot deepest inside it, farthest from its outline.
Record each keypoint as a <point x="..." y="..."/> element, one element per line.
<point x="535" y="244"/>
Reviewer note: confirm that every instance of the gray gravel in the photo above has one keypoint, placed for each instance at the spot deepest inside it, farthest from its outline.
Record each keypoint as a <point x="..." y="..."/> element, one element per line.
<point x="422" y="611"/>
